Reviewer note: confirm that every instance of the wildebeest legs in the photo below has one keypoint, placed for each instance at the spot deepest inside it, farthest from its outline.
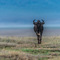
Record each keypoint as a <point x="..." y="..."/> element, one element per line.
<point x="39" y="38"/>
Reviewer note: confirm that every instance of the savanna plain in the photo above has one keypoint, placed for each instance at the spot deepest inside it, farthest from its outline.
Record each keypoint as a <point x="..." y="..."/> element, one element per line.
<point x="27" y="48"/>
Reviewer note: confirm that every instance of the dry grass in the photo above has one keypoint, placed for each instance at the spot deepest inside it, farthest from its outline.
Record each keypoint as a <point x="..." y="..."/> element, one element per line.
<point x="26" y="48"/>
<point x="16" y="55"/>
<point x="56" y="58"/>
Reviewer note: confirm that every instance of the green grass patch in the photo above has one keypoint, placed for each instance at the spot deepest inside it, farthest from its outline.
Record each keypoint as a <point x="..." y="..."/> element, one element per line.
<point x="2" y="58"/>
<point x="44" y="58"/>
<point x="40" y="51"/>
<point x="36" y="51"/>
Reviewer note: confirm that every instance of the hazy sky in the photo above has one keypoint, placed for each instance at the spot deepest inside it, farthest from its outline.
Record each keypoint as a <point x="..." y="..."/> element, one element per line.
<point x="22" y="12"/>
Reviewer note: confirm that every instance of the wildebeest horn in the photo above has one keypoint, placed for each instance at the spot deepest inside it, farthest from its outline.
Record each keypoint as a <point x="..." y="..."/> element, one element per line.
<point x="34" y="20"/>
<point x="43" y="21"/>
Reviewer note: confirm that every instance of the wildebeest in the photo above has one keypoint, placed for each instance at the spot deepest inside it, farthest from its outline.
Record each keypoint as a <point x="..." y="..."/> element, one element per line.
<point x="38" y="28"/>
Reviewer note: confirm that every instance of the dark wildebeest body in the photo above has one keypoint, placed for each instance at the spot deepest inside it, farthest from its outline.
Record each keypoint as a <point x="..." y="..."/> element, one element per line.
<point x="38" y="28"/>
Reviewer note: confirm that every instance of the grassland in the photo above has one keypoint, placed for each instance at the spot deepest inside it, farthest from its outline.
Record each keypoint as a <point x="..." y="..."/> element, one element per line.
<point x="26" y="48"/>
